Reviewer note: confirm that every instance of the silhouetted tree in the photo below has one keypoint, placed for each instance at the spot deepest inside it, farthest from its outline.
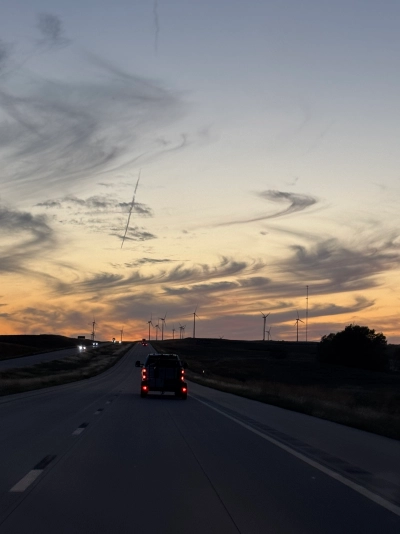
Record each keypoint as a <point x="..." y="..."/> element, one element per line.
<point x="355" y="346"/>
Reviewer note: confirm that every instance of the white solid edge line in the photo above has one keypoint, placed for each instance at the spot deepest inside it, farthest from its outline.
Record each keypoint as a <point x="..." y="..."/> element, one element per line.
<point x="356" y="487"/>
<point x="26" y="481"/>
<point x="78" y="431"/>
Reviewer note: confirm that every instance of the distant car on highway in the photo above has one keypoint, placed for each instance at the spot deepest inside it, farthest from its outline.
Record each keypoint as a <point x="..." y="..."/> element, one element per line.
<point x="163" y="373"/>
<point x="144" y="343"/>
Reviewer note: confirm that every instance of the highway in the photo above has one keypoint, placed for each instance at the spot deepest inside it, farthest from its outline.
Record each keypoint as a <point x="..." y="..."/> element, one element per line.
<point x="93" y="457"/>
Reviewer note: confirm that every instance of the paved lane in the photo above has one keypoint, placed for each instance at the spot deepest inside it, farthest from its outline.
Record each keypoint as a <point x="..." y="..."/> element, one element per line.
<point x="106" y="460"/>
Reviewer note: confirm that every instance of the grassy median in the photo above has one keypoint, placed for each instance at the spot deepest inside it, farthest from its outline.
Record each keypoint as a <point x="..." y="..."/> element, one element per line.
<point x="70" y="369"/>
<point x="288" y="375"/>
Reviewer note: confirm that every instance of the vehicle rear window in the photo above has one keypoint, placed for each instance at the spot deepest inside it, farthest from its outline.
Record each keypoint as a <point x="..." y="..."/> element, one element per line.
<point x="167" y="360"/>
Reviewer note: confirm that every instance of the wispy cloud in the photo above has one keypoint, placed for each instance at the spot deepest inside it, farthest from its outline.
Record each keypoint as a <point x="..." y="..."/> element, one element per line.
<point x="99" y="214"/>
<point x="135" y="233"/>
<point x="359" y="303"/>
<point x="55" y="132"/>
<point x="295" y="201"/>
<point x="148" y="261"/>
<point x="335" y="267"/>
<point x="96" y="203"/>
<point x="181" y="274"/>
<point x="212" y="287"/>
<point x="51" y="30"/>
<point x="23" y="237"/>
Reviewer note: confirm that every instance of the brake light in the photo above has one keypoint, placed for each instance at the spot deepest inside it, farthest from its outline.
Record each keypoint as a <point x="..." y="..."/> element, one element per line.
<point x="144" y="374"/>
<point x="184" y="390"/>
<point x="144" y="388"/>
<point x="182" y="374"/>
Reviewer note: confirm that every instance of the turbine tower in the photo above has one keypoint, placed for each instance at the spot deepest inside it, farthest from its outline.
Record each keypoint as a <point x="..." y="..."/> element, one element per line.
<point x="265" y="319"/>
<point x="298" y="320"/>
<point x="194" y="322"/>
<point x="181" y="330"/>
<point x="173" y="332"/>
<point x="307" y="314"/>
<point x="269" y="333"/>
<point x="150" y="323"/>
<point x="122" y="331"/>
<point x="162" y="319"/>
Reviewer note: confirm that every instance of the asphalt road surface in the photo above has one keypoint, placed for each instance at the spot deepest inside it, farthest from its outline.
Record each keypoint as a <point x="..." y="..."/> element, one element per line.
<point x="93" y="457"/>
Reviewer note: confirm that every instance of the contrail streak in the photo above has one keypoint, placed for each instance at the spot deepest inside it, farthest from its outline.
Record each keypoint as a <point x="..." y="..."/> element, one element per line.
<point x="156" y="25"/>
<point x="130" y="210"/>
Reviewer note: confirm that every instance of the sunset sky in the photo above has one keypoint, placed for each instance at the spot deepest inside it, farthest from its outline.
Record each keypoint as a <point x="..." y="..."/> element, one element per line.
<point x="266" y="135"/>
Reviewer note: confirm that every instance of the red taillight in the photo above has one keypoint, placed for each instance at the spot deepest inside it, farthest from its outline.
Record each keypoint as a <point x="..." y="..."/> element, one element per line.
<point x="144" y="388"/>
<point x="144" y="374"/>
<point x="182" y="374"/>
<point x="184" y="390"/>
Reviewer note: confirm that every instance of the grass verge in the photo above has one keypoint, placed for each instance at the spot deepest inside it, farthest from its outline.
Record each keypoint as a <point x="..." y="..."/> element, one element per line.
<point x="287" y="375"/>
<point x="57" y="372"/>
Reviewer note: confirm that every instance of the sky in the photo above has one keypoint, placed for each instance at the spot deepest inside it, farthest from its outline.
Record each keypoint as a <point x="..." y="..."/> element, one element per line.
<point x="161" y="157"/>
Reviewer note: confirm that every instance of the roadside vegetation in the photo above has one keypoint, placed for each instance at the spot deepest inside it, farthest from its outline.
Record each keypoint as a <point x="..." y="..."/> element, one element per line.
<point x="16" y="346"/>
<point x="70" y="369"/>
<point x="355" y="346"/>
<point x="294" y="376"/>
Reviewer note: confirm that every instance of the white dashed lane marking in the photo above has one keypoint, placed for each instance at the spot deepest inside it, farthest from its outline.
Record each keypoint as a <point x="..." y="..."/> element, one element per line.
<point x="30" y="477"/>
<point x="80" y="429"/>
<point x="34" y="473"/>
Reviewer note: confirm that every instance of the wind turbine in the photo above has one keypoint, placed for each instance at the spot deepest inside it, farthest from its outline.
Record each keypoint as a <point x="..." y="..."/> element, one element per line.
<point x="150" y="323"/>
<point x="122" y="331"/>
<point x="307" y="313"/>
<point x="194" y="322"/>
<point x="269" y="333"/>
<point x="181" y="328"/>
<point x="173" y="332"/>
<point x="297" y="325"/>
<point x="265" y="319"/>
<point x="162" y="319"/>
<point x="157" y="328"/>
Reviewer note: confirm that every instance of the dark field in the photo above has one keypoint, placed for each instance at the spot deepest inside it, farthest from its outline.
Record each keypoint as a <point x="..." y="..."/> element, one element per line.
<point x="287" y="374"/>
<point x="19" y="345"/>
